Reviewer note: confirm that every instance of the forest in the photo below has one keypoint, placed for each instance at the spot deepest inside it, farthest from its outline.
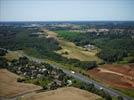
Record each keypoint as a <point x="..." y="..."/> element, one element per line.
<point x="20" y="38"/>
<point x="114" y="46"/>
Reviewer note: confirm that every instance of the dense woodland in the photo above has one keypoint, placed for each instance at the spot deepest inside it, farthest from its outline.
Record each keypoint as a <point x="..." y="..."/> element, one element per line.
<point x="20" y="38"/>
<point x="14" y="38"/>
<point x="114" y="46"/>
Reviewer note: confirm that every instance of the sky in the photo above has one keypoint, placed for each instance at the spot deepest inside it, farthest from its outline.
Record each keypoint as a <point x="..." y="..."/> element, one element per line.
<point x="66" y="10"/>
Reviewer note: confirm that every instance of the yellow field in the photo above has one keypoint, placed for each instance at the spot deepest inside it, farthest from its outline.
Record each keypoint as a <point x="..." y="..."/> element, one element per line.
<point x="68" y="93"/>
<point x="74" y="51"/>
<point x="13" y="55"/>
<point x="77" y="52"/>
<point x="9" y="86"/>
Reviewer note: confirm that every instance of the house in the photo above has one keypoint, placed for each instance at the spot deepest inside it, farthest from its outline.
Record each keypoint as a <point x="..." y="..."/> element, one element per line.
<point x="44" y="69"/>
<point x="36" y="34"/>
<point x="53" y="73"/>
<point x="69" y="82"/>
<point x="54" y="85"/>
<point x="59" y="83"/>
<point x="56" y="76"/>
<point x="89" y="47"/>
<point x="39" y="75"/>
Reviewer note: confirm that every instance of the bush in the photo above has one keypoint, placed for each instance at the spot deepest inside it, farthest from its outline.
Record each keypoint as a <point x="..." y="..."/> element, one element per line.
<point x="3" y="62"/>
<point x="20" y="79"/>
<point x="120" y="98"/>
<point x="2" y="52"/>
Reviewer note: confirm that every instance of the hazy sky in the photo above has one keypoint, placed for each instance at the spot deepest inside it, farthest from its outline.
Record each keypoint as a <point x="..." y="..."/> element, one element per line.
<point x="60" y="10"/>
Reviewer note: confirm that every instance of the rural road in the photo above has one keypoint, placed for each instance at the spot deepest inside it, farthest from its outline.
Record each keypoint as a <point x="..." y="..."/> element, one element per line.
<point x="83" y="78"/>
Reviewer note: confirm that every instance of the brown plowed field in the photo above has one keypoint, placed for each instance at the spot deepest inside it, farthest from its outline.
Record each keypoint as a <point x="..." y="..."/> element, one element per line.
<point x="120" y="76"/>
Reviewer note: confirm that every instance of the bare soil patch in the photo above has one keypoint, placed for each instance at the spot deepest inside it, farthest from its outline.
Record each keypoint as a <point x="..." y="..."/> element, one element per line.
<point x="9" y="87"/>
<point x="123" y="69"/>
<point x="120" y="76"/>
<point x="50" y="34"/>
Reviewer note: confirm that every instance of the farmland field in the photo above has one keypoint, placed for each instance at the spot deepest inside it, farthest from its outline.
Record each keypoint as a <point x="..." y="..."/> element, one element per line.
<point x="116" y="76"/>
<point x="67" y="93"/>
<point x="9" y="87"/>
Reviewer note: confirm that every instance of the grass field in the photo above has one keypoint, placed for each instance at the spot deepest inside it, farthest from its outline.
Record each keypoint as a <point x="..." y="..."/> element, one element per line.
<point x="129" y="92"/>
<point x="77" y="52"/>
<point x="67" y="93"/>
<point x="12" y="55"/>
<point x="74" y="51"/>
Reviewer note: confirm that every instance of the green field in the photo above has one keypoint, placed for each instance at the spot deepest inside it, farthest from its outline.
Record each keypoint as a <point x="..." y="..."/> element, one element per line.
<point x="129" y="92"/>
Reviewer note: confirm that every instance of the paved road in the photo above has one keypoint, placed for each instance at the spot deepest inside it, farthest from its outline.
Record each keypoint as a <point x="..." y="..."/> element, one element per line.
<point x="85" y="79"/>
<point x="98" y="85"/>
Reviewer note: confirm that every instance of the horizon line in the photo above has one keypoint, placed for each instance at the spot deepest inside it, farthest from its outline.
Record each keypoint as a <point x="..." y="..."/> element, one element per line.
<point x="72" y="21"/>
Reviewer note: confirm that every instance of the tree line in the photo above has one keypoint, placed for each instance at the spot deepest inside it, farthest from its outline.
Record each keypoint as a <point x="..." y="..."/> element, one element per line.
<point x="114" y="46"/>
<point x="42" y="47"/>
